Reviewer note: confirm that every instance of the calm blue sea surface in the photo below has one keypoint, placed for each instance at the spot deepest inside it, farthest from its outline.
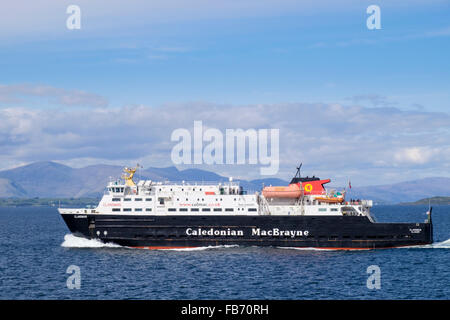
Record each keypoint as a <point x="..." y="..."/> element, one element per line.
<point x="36" y="250"/>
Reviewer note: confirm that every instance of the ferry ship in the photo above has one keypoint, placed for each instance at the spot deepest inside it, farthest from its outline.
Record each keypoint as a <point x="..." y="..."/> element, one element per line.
<point x="304" y="214"/>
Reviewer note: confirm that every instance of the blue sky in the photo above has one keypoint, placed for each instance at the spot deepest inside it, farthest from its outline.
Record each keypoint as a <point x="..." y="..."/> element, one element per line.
<point x="208" y="55"/>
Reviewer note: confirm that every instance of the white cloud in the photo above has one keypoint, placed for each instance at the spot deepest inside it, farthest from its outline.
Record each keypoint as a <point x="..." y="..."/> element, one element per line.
<point x="414" y="155"/>
<point x="375" y="99"/>
<point x="336" y="141"/>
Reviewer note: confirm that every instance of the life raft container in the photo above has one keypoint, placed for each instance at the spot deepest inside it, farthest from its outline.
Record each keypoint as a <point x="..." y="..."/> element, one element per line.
<point x="291" y="191"/>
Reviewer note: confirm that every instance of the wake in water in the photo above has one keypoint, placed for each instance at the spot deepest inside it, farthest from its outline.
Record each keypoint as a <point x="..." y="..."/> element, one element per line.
<point x="443" y="244"/>
<point x="71" y="241"/>
<point x="437" y="245"/>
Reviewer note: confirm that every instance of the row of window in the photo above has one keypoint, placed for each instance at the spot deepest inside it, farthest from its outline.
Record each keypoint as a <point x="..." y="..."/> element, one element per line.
<point x="129" y="199"/>
<point x="182" y="209"/>
<point x="150" y="199"/>
<point x="325" y="209"/>
<point x="129" y="209"/>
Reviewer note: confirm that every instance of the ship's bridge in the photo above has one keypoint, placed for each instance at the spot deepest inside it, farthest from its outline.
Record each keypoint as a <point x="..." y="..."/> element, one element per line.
<point x="116" y="187"/>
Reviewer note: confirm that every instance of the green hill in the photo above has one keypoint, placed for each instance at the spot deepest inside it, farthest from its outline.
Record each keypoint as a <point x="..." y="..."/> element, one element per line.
<point x="432" y="201"/>
<point x="51" y="202"/>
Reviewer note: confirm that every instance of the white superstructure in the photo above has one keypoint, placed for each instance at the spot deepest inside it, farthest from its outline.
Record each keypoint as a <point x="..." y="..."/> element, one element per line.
<point x="124" y="197"/>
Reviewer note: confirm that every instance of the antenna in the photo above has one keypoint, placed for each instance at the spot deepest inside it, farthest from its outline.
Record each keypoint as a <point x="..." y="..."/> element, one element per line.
<point x="297" y="174"/>
<point x="138" y="166"/>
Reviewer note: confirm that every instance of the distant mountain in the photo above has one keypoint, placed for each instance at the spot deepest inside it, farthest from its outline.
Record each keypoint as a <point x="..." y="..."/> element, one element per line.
<point x="54" y="180"/>
<point x="10" y="189"/>
<point x="407" y="191"/>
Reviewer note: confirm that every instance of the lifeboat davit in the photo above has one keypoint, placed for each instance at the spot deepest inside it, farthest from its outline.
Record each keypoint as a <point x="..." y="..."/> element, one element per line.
<point x="291" y="191"/>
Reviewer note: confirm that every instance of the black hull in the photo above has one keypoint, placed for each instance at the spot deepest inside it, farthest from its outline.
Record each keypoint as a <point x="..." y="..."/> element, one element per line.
<point x="334" y="232"/>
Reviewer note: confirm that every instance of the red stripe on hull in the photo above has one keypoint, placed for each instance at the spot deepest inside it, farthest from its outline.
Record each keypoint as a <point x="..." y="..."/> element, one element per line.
<point x="331" y="248"/>
<point x="162" y="248"/>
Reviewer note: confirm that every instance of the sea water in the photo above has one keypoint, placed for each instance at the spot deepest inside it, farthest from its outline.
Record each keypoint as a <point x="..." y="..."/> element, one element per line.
<point x="38" y="256"/>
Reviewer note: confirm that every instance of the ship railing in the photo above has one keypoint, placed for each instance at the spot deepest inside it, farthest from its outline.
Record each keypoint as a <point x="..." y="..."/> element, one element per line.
<point x="77" y="210"/>
<point x="116" y="183"/>
<point x="359" y="202"/>
<point x="332" y="192"/>
<point x="194" y="183"/>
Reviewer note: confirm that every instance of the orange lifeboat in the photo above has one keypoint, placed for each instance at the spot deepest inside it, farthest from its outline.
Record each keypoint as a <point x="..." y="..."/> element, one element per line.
<point x="291" y="191"/>
<point x="330" y="200"/>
